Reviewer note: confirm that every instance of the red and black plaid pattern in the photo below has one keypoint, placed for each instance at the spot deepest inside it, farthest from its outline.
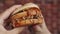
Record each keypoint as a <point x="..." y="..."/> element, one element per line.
<point x="50" y="10"/>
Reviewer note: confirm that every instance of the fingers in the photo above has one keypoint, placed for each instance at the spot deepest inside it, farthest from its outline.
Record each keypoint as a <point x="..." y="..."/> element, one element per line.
<point x="37" y="28"/>
<point x="16" y="30"/>
<point x="9" y="11"/>
<point x="44" y="25"/>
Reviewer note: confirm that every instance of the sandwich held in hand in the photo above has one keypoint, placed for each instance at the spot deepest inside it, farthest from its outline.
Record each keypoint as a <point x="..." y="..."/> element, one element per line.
<point x="28" y="14"/>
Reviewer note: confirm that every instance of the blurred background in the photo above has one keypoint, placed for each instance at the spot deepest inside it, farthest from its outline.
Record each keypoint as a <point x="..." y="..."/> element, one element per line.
<point x="50" y="10"/>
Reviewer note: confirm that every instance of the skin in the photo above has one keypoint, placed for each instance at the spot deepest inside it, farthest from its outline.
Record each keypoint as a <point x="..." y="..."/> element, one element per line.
<point x="35" y="29"/>
<point x="4" y="16"/>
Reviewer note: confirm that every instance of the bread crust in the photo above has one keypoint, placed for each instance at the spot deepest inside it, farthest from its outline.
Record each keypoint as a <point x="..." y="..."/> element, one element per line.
<point x="30" y="15"/>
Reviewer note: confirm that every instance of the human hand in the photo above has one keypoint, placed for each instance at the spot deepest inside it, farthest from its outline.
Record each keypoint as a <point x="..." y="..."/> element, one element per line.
<point x="40" y="29"/>
<point x="4" y="16"/>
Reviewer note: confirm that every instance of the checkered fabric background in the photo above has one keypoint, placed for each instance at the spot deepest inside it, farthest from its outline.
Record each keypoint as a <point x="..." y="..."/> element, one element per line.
<point x="50" y="10"/>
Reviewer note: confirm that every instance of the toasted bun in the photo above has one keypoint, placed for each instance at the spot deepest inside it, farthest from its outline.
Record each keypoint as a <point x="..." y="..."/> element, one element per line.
<point x="26" y="6"/>
<point x="30" y="15"/>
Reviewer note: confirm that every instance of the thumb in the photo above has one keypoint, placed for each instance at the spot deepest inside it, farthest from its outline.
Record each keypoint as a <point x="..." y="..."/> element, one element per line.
<point x="36" y="29"/>
<point x="9" y="11"/>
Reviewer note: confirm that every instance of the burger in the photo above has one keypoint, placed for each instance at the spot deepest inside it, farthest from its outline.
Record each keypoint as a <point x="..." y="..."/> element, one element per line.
<point x="28" y="14"/>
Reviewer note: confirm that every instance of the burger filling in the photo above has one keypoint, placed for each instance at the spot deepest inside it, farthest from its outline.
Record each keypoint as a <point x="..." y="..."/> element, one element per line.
<point x="27" y="17"/>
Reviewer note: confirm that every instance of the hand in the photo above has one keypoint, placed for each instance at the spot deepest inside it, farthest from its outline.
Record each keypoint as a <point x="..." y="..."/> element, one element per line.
<point x="4" y="16"/>
<point x="40" y="29"/>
